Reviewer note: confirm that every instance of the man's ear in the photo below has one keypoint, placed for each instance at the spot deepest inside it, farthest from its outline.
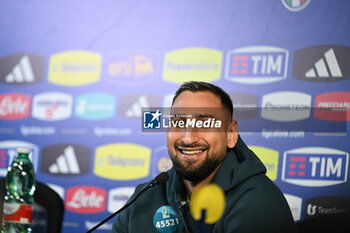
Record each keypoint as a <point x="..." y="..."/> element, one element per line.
<point x="232" y="134"/>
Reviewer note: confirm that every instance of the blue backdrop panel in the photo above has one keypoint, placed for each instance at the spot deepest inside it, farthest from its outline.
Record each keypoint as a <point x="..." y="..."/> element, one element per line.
<point x="74" y="76"/>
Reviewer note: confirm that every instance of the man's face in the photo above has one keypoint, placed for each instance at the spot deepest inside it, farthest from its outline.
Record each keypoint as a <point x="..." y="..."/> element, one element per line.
<point x="196" y="153"/>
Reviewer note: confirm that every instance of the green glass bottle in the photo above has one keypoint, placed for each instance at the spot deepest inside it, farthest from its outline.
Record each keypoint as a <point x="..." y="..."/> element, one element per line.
<point x="20" y="187"/>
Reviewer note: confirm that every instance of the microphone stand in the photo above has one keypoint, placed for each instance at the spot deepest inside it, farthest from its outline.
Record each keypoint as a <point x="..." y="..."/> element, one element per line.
<point x="161" y="178"/>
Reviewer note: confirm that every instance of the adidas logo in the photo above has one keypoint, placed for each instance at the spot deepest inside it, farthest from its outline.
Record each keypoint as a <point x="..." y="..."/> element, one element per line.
<point x="22" y="69"/>
<point x="66" y="163"/>
<point x="22" y="72"/>
<point x="323" y="63"/>
<point x="136" y="108"/>
<point x="322" y="66"/>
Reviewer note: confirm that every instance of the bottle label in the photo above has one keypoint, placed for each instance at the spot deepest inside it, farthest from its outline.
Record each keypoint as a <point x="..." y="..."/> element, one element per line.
<point x="18" y="213"/>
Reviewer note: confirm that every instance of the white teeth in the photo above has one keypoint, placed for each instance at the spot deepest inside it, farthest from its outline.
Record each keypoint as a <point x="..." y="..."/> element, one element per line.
<point x="191" y="152"/>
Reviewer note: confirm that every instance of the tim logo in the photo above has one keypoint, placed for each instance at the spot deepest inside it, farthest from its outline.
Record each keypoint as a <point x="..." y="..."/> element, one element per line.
<point x="256" y="64"/>
<point x="86" y="199"/>
<point x="152" y="119"/>
<point x="315" y="166"/>
<point x="295" y="5"/>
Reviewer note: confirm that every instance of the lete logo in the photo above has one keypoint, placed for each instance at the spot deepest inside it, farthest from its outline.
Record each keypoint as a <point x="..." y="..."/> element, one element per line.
<point x="86" y="199"/>
<point x="14" y="106"/>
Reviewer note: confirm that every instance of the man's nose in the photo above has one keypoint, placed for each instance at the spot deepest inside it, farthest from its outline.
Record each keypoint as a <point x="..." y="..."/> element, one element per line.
<point x="189" y="136"/>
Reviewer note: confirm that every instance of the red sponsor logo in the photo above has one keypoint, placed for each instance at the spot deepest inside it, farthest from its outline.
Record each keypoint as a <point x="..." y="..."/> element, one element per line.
<point x="86" y="199"/>
<point x="18" y="213"/>
<point x="14" y="106"/>
<point x="333" y="106"/>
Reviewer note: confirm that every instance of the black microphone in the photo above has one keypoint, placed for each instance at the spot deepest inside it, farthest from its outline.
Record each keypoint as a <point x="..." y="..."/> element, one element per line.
<point x="160" y="179"/>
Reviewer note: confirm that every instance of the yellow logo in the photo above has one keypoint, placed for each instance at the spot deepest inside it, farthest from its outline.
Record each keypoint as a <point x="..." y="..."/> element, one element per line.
<point x="122" y="161"/>
<point x="75" y="68"/>
<point x="164" y="164"/>
<point x="192" y="64"/>
<point x="138" y="65"/>
<point x="269" y="158"/>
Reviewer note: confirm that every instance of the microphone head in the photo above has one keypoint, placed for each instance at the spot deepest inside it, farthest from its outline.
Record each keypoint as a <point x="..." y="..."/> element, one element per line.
<point x="162" y="178"/>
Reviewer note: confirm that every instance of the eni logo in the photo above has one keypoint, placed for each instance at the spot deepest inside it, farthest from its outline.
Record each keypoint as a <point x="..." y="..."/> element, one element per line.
<point x="122" y="161"/>
<point x="75" y="68"/>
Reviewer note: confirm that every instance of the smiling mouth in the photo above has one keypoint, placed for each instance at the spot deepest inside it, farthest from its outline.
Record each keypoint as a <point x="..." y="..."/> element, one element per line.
<point x="191" y="152"/>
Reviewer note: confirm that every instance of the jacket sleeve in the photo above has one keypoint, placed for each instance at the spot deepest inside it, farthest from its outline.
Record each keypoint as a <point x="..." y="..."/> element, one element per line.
<point x="259" y="210"/>
<point x="121" y="224"/>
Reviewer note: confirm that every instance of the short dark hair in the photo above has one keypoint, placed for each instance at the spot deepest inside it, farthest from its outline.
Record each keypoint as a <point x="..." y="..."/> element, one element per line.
<point x="195" y="86"/>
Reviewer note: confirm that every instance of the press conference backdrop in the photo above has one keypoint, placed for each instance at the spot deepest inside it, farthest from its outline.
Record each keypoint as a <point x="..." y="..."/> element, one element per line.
<point x="75" y="75"/>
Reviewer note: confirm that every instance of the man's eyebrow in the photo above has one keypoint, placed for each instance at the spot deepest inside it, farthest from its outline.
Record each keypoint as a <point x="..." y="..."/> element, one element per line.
<point x="203" y="115"/>
<point x="195" y="115"/>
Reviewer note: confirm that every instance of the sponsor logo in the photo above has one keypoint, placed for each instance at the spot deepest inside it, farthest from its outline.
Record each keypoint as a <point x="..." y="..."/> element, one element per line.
<point x="118" y="197"/>
<point x="326" y="205"/>
<point x="86" y="199"/>
<point x="35" y="130"/>
<point x="106" y="226"/>
<point x="282" y="134"/>
<point x="286" y="106"/>
<point x="131" y="105"/>
<point x="8" y="151"/>
<point x="132" y="68"/>
<point x="74" y="68"/>
<point x="65" y="160"/>
<point x="315" y="166"/>
<point x="256" y="64"/>
<point x="94" y="106"/>
<point x="156" y="120"/>
<point x="322" y="63"/>
<point x="161" y="161"/>
<point x="22" y="69"/>
<point x="295" y="5"/>
<point x="14" y="106"/>
<point x="52" y="106"/>
<point x="244" y="105"/>
<point x="192" y="64"/>
<point x="269" y="158"/>
<point x="295" y="204"/>
<point x="333" y="106"/>
<point x="111" y="131"/>
<point x="122" y="161"/>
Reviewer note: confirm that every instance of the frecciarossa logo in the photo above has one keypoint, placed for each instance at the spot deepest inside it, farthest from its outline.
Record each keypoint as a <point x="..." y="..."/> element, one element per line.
<point x="333" y="106"/>
<point x="86" y="199"/>
<point x="315" y="166"/>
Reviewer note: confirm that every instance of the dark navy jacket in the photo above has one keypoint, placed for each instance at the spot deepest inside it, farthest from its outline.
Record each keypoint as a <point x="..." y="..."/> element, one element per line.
<point x="253" y="202"/>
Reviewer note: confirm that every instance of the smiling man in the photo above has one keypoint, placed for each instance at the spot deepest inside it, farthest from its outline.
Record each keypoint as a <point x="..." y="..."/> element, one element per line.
<point x="202" y="155"/>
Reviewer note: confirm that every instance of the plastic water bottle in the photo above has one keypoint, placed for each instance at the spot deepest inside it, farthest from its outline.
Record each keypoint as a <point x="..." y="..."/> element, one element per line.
<point x="20" y="185"/>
